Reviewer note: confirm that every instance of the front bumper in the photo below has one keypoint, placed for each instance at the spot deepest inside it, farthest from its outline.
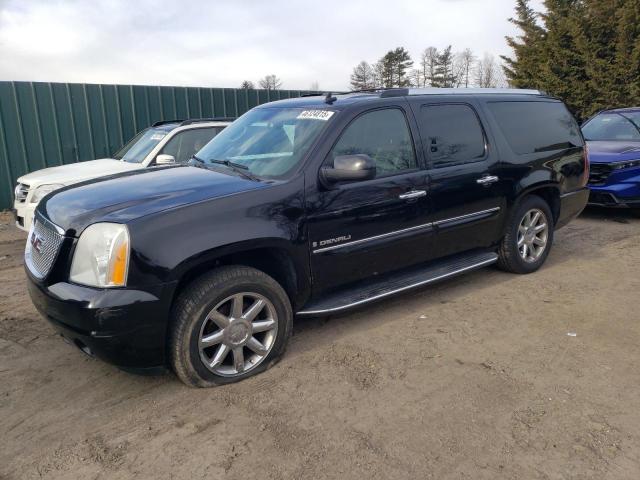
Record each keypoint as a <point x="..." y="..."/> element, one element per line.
<point x="120" y="326"/>
<point x="620" y="189"/>
<point x="603" y="197"/>
<point x="23" y="214"/>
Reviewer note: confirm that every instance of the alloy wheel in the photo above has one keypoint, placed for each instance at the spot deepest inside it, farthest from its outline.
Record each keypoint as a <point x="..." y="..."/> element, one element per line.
<point x="238" y="334"/>
<point x="533" y="235"/>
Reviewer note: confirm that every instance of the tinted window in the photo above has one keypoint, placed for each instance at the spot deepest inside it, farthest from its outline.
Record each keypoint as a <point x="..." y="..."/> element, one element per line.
<point x="384" y="136"/>
<point x="185" y="144"/>
<point x="451" y="134"/>
<point x="613" y="126"/>
<point x="536" y="126"/>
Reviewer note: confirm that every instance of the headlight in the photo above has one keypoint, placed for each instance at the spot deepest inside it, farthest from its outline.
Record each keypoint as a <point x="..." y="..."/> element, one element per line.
<point x="101" y="258"/>
<point x="42" y="190"/>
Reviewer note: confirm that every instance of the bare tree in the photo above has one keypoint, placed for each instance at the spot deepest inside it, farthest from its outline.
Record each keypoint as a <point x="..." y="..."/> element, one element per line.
<point x="487" y="72"/>
<point x="247" y="85"/>
<point x="463" y="67"/>
<point x="428" y="65"/>
<point x="363" y="77"/>
<point x="270" y="82"/>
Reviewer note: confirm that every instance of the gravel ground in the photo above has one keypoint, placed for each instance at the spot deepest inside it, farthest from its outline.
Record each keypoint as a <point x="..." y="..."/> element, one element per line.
<point x="486" y="376"/>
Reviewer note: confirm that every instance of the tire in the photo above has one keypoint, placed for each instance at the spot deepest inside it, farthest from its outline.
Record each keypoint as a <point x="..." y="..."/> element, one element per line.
<point x="510" y="253"/>
<point x="635" y="212"/>
<point x="205" y="310"/>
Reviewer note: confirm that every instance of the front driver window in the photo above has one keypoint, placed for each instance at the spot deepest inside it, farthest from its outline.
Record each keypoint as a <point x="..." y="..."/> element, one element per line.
<point x="384" y="136"/>
<point x="186" y="144"/>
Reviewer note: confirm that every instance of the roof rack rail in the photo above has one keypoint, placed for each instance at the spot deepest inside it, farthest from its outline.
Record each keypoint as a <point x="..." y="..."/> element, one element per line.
<point x="164" y="122"/>
<point x="213" y="119"/>
<point x="472" y="91"/>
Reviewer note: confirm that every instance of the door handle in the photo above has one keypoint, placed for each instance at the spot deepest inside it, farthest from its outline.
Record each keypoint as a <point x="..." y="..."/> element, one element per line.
<point x="413" y="194"/>
<point x="487" y="180"/>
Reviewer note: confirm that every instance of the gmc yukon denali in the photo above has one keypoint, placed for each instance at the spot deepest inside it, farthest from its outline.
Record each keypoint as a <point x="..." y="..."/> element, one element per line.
<point x="304" y="206"/>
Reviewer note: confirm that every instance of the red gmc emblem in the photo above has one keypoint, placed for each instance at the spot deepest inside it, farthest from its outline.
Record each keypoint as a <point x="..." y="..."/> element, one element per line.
<point x="36" y="242"/>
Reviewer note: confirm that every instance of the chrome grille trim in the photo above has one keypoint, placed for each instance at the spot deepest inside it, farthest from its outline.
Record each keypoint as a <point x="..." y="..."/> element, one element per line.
<point x="43" y="245"/>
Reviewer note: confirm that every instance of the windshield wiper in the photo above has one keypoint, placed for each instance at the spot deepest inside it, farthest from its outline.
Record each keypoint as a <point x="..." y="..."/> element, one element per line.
<point x="236" y="167"/>
<point x="198" y="162"/>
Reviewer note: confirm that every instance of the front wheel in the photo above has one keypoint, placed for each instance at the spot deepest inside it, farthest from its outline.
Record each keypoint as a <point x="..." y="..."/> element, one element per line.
<point x="528" y="238"/>
<point x="228" y="325"/>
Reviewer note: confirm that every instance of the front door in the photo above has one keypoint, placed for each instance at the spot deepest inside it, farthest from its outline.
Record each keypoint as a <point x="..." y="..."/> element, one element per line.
<point x="466" y="192"/>
<point x="364" y="228"/>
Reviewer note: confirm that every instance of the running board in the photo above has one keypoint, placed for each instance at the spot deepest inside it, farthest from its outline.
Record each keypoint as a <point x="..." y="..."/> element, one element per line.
<point x="389" y="284"/>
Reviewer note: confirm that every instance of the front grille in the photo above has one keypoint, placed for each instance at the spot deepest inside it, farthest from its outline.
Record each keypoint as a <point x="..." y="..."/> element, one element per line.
<point x="42" y="248"/>
<point x="21" y="192"/>
<point x="602" y="198"/>
<point x="599" y="172"/>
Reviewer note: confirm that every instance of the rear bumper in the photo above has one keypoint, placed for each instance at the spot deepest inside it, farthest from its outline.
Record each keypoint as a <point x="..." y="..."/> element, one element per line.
<point x="124" y="327"/>
<point x="571" y="205"/>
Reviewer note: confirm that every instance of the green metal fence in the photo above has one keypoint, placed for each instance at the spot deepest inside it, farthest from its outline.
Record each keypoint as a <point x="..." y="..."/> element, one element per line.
<point x="49" y="124"/>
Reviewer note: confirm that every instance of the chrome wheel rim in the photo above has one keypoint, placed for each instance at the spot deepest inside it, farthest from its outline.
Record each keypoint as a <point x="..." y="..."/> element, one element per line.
<point x="533" y="234"/>
<point x="238" y="334"/>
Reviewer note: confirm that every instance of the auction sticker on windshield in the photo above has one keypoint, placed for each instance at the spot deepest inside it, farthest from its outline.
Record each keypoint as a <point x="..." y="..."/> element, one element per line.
<point x="323" y="115"/>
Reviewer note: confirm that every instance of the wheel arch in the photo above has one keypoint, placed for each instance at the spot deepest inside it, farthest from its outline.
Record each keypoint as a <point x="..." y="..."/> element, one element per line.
<point x="275" y="257"/>
<point x="548" y="191"/>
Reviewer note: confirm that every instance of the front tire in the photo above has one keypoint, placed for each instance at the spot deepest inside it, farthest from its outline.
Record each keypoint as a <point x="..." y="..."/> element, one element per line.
<point x="228" y="325"/>
<point x="528" y="238"/>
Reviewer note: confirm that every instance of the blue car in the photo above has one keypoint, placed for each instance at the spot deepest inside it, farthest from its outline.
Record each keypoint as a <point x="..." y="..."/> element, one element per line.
<point x="613" y="142"/>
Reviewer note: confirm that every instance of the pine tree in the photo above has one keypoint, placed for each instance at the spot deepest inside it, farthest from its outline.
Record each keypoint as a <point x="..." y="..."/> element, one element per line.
<point x="522" y="70"/>
<point x="444" y="70"/>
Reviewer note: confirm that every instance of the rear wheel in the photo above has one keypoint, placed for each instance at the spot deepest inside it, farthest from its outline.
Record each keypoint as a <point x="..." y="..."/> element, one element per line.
<point x="228" y="325"/>
<point x="528" y="238"/>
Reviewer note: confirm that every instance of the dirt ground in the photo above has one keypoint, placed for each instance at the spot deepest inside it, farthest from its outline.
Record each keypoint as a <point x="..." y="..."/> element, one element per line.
<point x="480" y="377"/>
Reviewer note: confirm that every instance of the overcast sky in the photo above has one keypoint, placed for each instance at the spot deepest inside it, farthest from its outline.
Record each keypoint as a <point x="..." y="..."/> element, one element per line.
<point x="222" y="42"/>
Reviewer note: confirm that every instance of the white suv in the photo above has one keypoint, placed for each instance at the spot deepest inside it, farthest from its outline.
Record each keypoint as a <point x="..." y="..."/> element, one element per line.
<point x="162" y="143"/>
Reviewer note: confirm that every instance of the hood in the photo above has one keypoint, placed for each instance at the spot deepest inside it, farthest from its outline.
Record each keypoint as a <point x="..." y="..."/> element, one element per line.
<point x="127" y="197"/>
<point x="604" y="151"/>
<point x="78" y="172"/>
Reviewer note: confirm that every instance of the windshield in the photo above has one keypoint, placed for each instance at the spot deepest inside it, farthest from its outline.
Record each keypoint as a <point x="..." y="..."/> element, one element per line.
<point x="139" y="146"/>
<point x="613" y="126"/>
<point x="269" y="142"/>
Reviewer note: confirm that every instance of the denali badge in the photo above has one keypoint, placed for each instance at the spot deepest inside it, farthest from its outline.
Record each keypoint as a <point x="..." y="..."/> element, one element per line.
<point x="331" y="241"/>
<point x="36" y="242"/>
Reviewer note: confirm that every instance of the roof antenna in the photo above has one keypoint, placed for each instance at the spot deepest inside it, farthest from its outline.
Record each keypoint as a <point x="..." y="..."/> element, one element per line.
<point x="329" y="99"/>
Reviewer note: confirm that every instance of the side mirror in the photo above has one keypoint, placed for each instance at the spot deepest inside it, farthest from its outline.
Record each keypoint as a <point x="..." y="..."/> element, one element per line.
<point x="349" y="168"/>
<point x="164" y="159"/>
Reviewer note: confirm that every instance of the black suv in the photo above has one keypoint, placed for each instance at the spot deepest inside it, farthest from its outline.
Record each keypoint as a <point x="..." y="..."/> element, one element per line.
<point x="304" y="206"/>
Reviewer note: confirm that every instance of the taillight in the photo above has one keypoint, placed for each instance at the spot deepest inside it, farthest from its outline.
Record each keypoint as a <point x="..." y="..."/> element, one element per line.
<point x="585" y="174"/>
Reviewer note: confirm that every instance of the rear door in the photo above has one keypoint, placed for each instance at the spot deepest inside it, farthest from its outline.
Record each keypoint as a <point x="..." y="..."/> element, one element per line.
<point x="467" y="191"/>
<point x="364" y="228"/>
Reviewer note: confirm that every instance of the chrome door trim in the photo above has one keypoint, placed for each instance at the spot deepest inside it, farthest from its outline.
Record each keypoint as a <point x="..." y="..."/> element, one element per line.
<point x="468" y="215"/>
<point x="398" y="290"/>
<point x="376" y="237"/>
<point x="406" y="230"/>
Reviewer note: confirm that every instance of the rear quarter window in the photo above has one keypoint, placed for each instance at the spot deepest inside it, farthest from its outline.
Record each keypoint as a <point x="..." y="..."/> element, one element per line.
<point x="531" y="127"/>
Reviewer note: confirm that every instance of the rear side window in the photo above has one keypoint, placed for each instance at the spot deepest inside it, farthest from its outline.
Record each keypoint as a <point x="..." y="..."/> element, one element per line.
<point x="451" y="134"/>
<point x="531" y="127"/>
<point x="384" y="136"/>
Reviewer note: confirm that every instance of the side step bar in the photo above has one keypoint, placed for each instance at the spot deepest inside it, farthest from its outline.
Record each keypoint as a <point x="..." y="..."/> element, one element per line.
<point x="389" y="284"/>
